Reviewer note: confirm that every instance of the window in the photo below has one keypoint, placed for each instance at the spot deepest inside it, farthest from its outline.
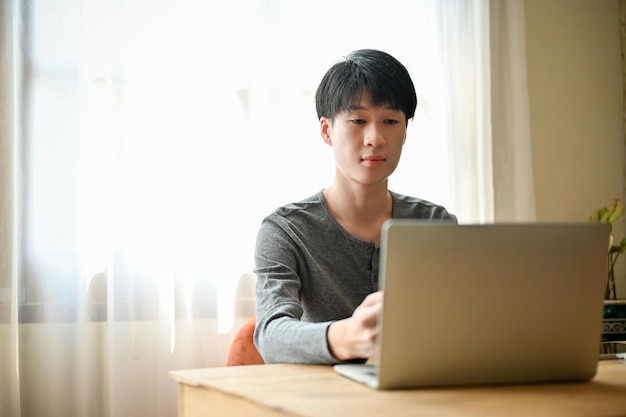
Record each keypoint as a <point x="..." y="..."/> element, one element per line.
<point x="158" y="137"/>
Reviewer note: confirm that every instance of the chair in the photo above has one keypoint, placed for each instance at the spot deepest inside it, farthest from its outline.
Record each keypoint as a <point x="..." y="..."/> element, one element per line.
<point x="242" y="350"/>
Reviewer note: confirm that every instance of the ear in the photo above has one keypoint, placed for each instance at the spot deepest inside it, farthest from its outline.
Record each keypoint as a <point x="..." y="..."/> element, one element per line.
<point x="326" y="130"/>
<point x="406" y="127"/>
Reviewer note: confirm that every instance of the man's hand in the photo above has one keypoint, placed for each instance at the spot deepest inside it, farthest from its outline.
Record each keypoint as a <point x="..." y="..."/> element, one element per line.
<point x="355" y="337"/>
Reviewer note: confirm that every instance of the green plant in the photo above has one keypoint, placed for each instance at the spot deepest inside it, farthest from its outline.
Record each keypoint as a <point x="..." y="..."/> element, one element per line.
<point x="610" y="214"/>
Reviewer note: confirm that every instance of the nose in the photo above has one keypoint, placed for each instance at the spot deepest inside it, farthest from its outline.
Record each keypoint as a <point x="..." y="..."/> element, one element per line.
<point x="373" y="136"/>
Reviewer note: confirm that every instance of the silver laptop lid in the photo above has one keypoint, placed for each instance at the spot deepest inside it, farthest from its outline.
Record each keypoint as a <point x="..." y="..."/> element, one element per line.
<point x="483" y="304"/>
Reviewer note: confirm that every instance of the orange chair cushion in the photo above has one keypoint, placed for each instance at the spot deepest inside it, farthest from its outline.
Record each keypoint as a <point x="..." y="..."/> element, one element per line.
<point x="242" y="350"/>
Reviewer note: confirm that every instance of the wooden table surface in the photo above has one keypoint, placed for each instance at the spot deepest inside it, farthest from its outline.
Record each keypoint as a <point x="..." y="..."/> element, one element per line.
<point x="308" y="390"/>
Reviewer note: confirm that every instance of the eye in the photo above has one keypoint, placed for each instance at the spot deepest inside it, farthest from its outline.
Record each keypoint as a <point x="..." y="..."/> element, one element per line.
<point x="391" y="121"/>
<point x="358" y="121"/>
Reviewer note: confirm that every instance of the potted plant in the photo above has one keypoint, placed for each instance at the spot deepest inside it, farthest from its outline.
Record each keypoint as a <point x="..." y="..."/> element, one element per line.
<point x="614" y="320"/>
<point x="610" y="214"/>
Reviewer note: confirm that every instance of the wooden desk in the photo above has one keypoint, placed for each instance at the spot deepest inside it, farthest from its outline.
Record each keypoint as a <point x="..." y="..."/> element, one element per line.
<point x="307" y="391"/>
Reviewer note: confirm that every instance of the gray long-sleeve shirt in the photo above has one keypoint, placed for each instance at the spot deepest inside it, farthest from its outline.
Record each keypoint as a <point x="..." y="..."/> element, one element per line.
<point x="311" y="272"/>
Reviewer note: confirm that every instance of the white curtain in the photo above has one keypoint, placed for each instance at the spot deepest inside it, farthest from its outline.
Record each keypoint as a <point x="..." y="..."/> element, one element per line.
<point x="143" y="141"/>
<point x="513" y="180"/>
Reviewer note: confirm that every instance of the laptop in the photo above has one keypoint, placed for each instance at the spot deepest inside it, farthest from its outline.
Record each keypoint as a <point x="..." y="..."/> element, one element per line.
<point x="487" y="304"/>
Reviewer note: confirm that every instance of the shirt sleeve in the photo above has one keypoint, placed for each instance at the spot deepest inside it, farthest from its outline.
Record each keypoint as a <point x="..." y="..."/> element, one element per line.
<point x="280" y="335"/>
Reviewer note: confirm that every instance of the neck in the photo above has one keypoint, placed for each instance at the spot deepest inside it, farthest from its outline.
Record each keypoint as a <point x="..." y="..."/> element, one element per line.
<point x="361" y="210"/>
<point x="358" y="203"/>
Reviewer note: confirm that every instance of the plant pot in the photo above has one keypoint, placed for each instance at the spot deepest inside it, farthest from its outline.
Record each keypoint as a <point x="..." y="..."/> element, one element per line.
<point x="614" y="326"/>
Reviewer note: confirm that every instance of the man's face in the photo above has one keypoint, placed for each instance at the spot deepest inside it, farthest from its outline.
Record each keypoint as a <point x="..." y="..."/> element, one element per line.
<point x="367" y="141"/>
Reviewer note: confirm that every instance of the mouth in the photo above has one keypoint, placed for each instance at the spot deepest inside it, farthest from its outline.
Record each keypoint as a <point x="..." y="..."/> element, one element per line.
<point x="373" y="160"/>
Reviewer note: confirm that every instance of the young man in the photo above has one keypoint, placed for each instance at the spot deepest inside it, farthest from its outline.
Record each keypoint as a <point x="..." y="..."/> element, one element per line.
<point x="317" y="260"/>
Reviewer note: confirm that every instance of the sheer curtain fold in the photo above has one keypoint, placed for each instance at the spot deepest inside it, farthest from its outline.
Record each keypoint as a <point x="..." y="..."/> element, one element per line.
<point x="464" y="44"/>
<point x="512" y="153"/>
<point x="9" y="219"/>
<point x="131" y="131"/>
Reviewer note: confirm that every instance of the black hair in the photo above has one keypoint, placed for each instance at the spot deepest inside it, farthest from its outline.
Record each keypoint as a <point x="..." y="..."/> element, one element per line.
<point x="368" y="71"/>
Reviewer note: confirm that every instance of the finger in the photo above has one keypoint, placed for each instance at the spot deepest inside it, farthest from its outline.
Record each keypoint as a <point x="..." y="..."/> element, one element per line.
<point x="369" y="314"/>
<point x="373" y="298"/>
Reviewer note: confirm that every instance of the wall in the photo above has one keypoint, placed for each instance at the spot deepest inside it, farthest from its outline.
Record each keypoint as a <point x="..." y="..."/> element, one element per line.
<point x="576" y="110"/>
